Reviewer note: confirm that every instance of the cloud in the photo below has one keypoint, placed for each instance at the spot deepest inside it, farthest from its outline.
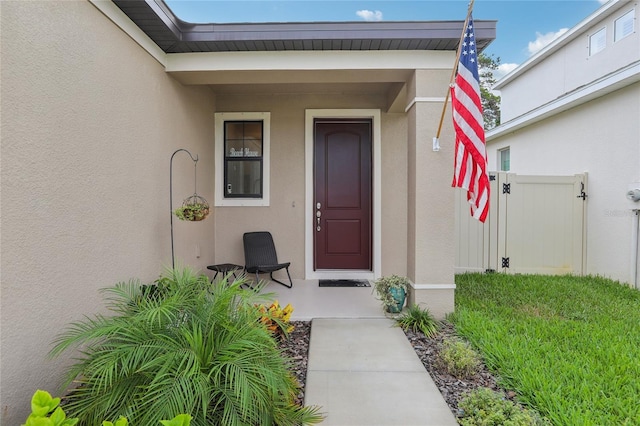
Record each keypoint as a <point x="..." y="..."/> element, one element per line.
<point x="544" y="39"/>
<point x="369" y="15"/>
<point x="504" y="69"/>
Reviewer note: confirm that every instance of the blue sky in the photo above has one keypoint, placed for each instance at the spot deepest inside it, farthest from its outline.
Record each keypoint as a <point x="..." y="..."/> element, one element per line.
<point x="524" y="26"/>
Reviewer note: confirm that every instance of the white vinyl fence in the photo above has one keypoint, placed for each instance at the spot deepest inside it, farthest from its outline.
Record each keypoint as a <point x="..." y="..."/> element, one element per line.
<point x="536" y="224"/>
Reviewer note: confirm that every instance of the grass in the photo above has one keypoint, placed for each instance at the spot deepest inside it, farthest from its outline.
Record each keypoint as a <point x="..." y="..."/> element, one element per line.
<point x="569" y="346"/>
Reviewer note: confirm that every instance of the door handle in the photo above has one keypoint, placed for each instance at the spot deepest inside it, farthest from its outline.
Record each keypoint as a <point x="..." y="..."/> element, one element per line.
<point x="318" y="214"/>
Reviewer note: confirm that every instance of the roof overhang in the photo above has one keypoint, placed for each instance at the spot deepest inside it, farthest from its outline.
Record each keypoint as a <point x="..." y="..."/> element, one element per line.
<point x="319" y="57"/>
<point x="173" y="35"/>
<point x="609" y="83"/>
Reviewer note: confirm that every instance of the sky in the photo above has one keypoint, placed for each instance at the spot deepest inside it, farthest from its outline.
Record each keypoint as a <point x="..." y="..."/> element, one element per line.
<point x="523" y="28"/>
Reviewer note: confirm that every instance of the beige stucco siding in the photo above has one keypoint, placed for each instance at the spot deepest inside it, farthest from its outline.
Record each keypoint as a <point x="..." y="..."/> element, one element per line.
<point x="89" y="122"/>
<point x="601" y="137"/>
<point x="431" y="228"/>
<point x="284" y="217"/>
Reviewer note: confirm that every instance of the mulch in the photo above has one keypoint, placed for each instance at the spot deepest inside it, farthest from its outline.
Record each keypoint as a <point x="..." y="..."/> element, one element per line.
<point x="453" y="389"/>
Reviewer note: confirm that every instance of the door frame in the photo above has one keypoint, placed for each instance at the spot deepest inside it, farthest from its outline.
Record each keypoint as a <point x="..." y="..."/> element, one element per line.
<point x="376" y="140"/>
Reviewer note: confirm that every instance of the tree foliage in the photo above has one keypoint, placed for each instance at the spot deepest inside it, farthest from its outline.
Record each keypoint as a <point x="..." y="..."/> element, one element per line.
<point x="490" y="101"/>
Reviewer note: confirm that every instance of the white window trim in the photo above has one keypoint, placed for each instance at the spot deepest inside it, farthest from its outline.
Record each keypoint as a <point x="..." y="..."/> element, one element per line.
<point x="602" y="30"/>
<point x="220" y="118"/>
<point x="500" y="152"/>
<point x="630" y="14"/>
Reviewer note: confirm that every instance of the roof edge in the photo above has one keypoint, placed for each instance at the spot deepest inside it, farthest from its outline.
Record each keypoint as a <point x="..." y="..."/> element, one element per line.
<point x="616" y="80"/>
<point x="559" y="42"/>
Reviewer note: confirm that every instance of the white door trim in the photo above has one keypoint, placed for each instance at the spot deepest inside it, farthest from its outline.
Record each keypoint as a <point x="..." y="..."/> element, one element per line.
<point x="373" y="114"/>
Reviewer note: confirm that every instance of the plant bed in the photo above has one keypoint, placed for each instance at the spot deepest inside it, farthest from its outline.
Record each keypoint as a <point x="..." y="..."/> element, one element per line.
<point x="452" y="389"/>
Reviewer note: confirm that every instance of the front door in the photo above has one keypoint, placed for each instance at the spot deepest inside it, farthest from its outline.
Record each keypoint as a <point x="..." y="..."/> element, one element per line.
<point x="342" y="199"/>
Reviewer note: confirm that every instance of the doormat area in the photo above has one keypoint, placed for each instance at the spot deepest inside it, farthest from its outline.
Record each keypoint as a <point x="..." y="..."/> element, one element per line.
<point x="344" y="283"/>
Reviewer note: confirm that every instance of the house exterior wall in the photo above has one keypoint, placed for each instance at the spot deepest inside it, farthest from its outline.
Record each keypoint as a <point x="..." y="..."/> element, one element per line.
<point x="602" y="138"/>
<point x="284" y="217"/>
<point x="431" y="242"/>
<point x="570" y="66"/>
<point x="89" y="123"/>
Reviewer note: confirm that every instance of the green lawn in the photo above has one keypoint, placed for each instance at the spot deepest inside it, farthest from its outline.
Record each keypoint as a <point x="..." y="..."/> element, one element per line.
<point x="569" y="346"/>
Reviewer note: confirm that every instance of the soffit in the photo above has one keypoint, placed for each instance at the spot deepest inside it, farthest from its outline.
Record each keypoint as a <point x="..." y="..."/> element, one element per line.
<point x="173" y="35"/>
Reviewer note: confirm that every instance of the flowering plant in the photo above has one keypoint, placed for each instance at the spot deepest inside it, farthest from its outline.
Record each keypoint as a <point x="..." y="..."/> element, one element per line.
<point x="277" y="319"/>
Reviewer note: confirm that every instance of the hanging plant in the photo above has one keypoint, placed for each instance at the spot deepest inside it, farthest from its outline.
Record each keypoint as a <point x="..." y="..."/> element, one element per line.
<point x="193" y="209"/>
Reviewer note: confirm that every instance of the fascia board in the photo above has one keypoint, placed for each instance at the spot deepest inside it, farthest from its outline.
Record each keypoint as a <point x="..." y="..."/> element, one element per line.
<point x="308" y="60"/>
<point x="564" y="39"/>
<point x="621" y="78"/>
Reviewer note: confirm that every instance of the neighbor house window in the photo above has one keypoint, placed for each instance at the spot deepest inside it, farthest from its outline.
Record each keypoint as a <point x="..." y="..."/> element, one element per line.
<point x="624" y="26"/>
<point x="504" y="158"/>
<point x="242" y="159"/>
<point x="597" y="41"/>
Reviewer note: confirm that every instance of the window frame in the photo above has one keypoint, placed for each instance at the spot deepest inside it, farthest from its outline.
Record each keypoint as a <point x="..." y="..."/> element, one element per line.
<point x="501" y="152"/>
<point x="592" y="36"/>
<point x="220" y="159"/>
<point x="631" y="16"/>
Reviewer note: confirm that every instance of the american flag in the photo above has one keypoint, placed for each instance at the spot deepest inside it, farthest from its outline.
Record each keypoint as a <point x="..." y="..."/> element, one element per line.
<point x="470" y="171"/>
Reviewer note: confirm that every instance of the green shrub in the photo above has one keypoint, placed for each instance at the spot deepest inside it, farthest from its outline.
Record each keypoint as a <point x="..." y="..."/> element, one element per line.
<point x="418" y="319"/>
<point x="484" y="407"/>
<point x="45" y="411"/>
<point x="198" y="348"/>
<point x="459" y="358"/>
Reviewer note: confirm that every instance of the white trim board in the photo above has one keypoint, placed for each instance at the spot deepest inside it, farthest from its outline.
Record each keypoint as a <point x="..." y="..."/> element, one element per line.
<point x="373" y="114"/>
<point x="609" y="83"/>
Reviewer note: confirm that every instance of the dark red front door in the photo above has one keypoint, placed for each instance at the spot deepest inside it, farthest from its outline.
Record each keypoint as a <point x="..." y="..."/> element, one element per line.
<point x="342" y="180"/>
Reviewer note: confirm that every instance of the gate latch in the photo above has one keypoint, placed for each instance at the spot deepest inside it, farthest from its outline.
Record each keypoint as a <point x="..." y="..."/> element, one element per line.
<point x="582" y="195"/>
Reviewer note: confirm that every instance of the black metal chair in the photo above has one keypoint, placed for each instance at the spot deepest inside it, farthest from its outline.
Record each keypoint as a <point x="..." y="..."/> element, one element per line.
<point x="260" y="256"/>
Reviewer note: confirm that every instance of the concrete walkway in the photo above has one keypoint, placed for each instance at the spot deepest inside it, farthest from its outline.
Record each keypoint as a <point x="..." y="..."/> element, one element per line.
<point x="365" y="372"/>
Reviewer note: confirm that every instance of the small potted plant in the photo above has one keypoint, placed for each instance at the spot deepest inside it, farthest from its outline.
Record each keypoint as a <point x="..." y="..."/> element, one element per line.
<point x="392" y="292"/>
<point x="193" y="209"/>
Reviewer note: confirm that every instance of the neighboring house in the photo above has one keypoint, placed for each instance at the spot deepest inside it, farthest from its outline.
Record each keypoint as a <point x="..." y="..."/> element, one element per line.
<point x="574" y="107"/>
<point x="98" y="95"/>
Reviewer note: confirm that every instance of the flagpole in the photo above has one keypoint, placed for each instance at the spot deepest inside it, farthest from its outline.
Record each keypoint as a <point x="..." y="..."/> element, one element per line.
<point x="436" y="143"/>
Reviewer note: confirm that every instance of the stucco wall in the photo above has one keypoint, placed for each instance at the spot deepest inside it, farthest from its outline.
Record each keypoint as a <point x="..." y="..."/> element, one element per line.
<point x="284" y="218"/>
<point x="431" y="211"/>
<point x="601" y="137"/>
<point x="89" y="122"/>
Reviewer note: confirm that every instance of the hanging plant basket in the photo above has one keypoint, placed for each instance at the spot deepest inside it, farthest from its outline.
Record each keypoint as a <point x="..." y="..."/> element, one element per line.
<point x="194" y="209"/>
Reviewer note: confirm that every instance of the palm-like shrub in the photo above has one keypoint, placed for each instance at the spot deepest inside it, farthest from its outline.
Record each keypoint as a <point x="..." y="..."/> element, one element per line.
<point x="186" y="347"/>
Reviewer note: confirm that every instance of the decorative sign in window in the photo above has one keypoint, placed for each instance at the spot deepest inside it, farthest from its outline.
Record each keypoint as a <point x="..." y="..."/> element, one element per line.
<point x="243" y="142"/>
<point x="240" y="153"/>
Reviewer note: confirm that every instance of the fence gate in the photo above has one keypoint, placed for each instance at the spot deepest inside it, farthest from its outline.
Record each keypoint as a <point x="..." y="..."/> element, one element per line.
<point x="535" y="225"/>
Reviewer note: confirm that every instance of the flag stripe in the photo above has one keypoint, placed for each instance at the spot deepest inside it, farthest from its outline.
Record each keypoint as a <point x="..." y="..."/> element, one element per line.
<point x="470" y="161"/>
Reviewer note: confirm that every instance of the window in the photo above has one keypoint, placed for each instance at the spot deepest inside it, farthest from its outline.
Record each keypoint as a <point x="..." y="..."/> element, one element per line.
<point x="504" y="158"/>
<point x="242" y="159"/>
<point x="624" y="26"/>
<point x="597" y="41"/>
